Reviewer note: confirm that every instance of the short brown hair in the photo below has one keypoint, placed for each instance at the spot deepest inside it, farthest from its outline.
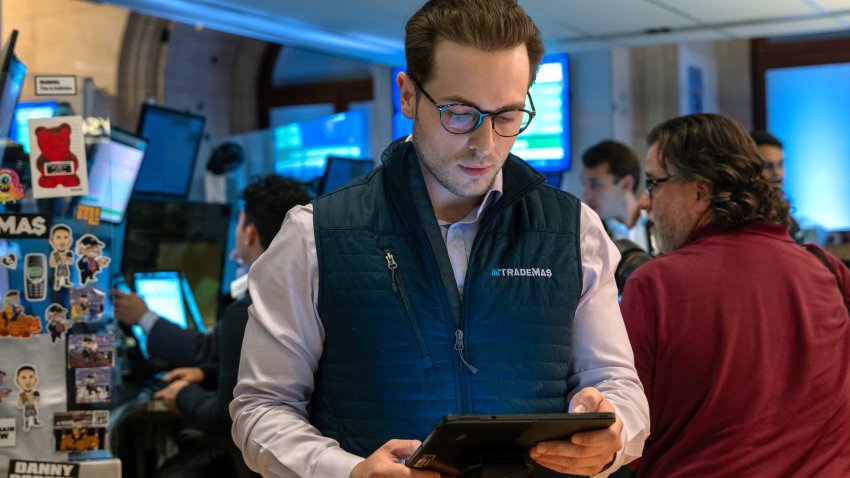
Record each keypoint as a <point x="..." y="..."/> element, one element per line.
<point x="621" y="160"/>
<point x="489" y="25"/>
<point x="719" y="151"/>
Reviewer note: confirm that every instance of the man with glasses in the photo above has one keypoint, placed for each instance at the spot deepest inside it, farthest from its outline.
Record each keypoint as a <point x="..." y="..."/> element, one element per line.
<point x="448" y="280"/>
<point x="741" y="337"/>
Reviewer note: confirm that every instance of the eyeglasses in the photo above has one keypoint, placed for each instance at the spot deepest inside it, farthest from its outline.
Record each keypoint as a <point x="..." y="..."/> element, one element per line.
<point x="458" y="118"/>
<point x="652" y="183"/>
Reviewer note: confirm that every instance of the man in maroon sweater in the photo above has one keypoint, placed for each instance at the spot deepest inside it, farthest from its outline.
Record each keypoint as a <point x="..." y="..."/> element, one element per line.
<point x="741" y="337"/>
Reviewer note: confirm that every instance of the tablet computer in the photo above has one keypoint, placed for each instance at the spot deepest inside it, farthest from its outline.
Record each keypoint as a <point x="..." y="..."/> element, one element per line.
<point x="458" y="441"/>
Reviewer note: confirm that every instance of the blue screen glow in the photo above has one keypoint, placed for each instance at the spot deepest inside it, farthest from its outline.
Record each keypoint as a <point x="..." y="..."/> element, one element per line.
<point x="302" y="149"/>
<point x="24" y="112"/>
<point x="807" y="110"/>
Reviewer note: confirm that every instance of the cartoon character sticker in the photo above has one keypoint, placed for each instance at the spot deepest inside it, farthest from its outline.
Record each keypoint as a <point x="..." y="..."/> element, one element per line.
<point x="26" y="378"/>
<point x="13" y="320"/>
<point x="58" y="322"/>
<point x="11" y="189"/>
<point x="9" y="261"/>
<point x="86" y="304"/>
<point x="4" y="391"/>
<point x="92" y="261"/>
<point x="58" y="157"/>
<point x="61" y="257"/>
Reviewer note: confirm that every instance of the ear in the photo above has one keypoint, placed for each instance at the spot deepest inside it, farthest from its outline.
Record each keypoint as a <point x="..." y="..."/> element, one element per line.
<point x="703" y="196"/>
<point x="627" y="183"/>
<point x="251" y="236"/>
<point x="407" y="94"/>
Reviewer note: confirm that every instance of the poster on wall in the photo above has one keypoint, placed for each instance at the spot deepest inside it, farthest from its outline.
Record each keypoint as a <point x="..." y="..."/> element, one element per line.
<point x="35" y="389"/>
<point x="58" y="157"/>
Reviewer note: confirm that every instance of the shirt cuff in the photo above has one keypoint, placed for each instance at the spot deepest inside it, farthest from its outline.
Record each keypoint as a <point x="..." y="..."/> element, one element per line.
<point x="147" y="321"/>
<point x="336" y="462"/>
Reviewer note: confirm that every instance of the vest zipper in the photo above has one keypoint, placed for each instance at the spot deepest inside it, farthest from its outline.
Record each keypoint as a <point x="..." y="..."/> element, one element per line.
<point x="398" y="289"/>
<point x="459" y="348"/>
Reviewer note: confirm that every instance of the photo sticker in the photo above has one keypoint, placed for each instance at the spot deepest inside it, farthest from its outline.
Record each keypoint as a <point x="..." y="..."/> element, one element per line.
<point x="91" y="350"/>
<point x="93" y="385"/>
<point x="80" y="430"/>
<point x="86" y="304"/>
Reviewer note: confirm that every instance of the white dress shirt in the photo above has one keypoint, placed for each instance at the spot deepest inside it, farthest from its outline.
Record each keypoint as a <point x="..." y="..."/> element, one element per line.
<point x="284" y="340"/>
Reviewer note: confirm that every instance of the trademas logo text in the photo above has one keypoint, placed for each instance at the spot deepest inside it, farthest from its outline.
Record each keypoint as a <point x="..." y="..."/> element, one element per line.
<point x="515" y="272"/>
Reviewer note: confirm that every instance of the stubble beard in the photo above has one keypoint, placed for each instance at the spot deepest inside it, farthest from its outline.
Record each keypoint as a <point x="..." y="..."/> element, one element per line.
<point x="441" y="171"/>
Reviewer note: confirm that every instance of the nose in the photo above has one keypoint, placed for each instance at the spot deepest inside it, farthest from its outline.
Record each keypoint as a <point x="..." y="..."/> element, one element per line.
<point x="587" y="192"/>
<point x="644" y="202"/>
<point x="483" y="139"/>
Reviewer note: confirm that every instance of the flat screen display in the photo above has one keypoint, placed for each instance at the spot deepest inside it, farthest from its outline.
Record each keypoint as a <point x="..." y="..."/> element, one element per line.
<point x="162" y="291"/>
<point x="26" y="111"/>
<point x="12" y="75"/>
<point x="112" y="174"/>
<point x="546" y="143"/>
<point x="180" y="235"/>
<point x="339" y="171"/>
<point x="173" y="141"/>
<point x="301" y="149"/>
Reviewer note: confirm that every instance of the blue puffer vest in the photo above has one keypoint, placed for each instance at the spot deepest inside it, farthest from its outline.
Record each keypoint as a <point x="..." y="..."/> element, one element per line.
<point x="402" y="348"/>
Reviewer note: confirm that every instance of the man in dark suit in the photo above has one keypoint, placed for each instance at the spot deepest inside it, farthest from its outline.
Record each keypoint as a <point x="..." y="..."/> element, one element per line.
<point x="201" y="387"/>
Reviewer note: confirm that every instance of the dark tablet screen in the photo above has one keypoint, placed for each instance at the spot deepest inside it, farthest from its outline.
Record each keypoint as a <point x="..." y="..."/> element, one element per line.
<point x="459" y="440"/>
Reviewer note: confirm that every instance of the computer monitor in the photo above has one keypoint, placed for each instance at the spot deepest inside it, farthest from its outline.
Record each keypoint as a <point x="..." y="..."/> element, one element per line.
<point x="301" y="149"/>
<point x="166" y="294"/>
<point x="180" y="235"/>
<point x="545" y="145"/>
<point x="25" y="111"/>
<point x="113" y="172"/>
<point x="174" y="138"/>
<point x="12" y="74"/>
<point x="339" y="171"/>
<point x="162" y="291"/>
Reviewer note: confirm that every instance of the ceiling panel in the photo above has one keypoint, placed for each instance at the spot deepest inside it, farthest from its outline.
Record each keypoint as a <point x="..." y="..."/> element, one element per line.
<point x="373" y="30"/>
<point x="832" y="5"/>
<point x="606" y="17"/>
<point x="553" y="28"/>
<point x="796" y="27"/>
<point x="699" y="35"/>
<point x="728" y="11"/>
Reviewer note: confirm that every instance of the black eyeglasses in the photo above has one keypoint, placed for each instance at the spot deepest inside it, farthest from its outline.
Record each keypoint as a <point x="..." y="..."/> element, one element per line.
<point x="458" y="118"/>
<point x="652" y="183"/>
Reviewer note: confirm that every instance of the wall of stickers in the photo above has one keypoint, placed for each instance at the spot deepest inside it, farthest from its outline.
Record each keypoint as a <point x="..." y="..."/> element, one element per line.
<point x="57" y="352"/>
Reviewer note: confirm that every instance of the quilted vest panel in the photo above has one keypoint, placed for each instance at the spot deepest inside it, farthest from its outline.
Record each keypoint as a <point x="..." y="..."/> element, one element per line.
<point x="391" y="367"/>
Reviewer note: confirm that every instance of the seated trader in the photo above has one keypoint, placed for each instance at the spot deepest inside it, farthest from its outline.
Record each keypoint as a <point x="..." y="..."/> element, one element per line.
<point x="449" y="280"/>
<point x="741" y="337"/>
<point x="771" y="151"/>
<point x="216" y="355"/>
<point x="611" y="176"/>
<point x="266" y="201"/>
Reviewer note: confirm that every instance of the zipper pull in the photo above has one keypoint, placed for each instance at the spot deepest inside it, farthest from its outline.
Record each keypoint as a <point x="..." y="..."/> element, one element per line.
<point x="392" y="266"/>
<point x="459" y="348"/>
